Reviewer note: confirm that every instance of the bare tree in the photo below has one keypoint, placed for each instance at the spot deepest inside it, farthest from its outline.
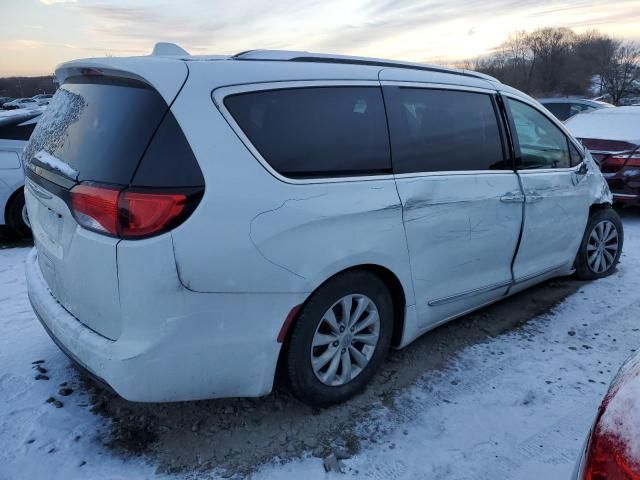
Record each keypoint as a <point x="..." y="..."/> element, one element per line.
<point x="620" y="72"/>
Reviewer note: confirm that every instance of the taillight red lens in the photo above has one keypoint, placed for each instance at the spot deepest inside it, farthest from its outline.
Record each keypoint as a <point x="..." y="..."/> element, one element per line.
<point x="623" y="160"/>
<point x="96" y="208"/>
<point x="148" y="213"/>
<point x="129" y="213"/>
<point x="608" y="460"/>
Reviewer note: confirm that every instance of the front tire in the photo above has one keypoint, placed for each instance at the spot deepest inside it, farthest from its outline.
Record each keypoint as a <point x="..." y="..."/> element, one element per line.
<point x="601" y="246"/>
<point x="340" y="338"/>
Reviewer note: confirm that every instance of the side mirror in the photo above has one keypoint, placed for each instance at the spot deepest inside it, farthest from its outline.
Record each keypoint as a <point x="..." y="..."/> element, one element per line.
<point x="583" y="170"/>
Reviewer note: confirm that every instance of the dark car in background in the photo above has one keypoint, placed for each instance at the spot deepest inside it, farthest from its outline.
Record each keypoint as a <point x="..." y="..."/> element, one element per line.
<point x="612" y="451"/>
<point x="564" y="108"/>
<point x="613" y="137"/>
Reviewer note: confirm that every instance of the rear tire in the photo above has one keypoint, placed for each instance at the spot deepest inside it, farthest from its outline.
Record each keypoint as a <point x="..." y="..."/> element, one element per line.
<point x="601" y="246"/>
<point x="321" y="332"/>
<point x="17" y="217"/>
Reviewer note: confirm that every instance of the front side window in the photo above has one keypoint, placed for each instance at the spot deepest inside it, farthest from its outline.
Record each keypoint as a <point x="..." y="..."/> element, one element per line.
<point x="316" y="131"/>
<point x="443" y="130"/>
<point x="542" y="144"/>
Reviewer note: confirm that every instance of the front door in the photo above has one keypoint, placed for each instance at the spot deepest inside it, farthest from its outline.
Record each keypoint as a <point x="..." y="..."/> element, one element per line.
<point x="556" y="194"/>
<point x="462" y="203"/>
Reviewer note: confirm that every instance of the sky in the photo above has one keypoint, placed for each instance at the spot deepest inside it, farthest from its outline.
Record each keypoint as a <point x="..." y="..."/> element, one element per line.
<point x="36" y="35"/>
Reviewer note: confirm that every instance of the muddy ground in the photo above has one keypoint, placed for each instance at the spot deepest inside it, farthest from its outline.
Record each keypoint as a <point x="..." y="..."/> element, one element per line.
<point x="234" y="436"/>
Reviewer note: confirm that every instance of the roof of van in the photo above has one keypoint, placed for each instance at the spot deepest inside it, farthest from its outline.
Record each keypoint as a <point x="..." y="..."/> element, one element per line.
<point x="164" y="50"/>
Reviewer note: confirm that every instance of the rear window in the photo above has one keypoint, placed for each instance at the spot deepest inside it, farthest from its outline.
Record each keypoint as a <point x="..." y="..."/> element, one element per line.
<point x="99" y="126"/>
<point x="443" y="130"/>
<point x="318" y="131"/>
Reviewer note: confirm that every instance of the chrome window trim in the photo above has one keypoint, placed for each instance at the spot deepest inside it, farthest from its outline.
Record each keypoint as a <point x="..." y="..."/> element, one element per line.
<point x="438" y="86"/>
<point x="219" y="94"/>
<point x="453" y="172"/>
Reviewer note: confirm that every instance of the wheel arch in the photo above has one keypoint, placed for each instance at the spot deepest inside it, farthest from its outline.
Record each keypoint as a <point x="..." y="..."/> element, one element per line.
<point x="398" y="297"/>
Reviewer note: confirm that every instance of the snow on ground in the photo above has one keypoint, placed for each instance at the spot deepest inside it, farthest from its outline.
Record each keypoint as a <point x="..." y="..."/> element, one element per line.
<point x="518" y="406"/>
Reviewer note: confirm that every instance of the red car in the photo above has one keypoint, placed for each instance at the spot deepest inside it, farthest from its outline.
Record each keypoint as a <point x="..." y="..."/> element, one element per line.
<point x="612" y="451"/>
<point x="613" y="137"/>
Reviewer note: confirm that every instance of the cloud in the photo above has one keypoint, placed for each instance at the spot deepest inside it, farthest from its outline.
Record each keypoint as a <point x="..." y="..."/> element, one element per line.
<point x="56" y="2"/>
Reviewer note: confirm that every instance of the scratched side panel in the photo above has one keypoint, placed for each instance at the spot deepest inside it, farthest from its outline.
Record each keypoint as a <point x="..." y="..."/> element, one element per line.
<point x="461" y="238"/>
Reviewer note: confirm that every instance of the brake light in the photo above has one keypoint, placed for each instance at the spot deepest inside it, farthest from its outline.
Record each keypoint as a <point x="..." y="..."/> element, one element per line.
<point x="147" y="213"/>
<point x="608" y="459"/>
<point x="130" y="213"/>
<point x="614" y="446"/>
<point x="96" y="208"/>
<point x="624" y="160"/>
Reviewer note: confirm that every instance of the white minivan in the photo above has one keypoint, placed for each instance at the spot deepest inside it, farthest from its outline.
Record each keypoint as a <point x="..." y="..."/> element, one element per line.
<point x="203" y="222"/>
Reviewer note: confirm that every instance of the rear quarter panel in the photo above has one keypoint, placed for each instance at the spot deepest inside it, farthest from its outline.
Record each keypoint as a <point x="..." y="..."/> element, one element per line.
<point x="255" y="233"/>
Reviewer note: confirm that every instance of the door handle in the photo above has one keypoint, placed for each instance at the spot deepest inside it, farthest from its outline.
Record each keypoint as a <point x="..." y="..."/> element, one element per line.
<point x="512" y="197"/>
<point x="533" y="197"/>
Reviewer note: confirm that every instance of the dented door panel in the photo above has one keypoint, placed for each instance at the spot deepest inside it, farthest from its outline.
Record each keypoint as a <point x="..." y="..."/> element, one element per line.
<point x="462" y="235"/>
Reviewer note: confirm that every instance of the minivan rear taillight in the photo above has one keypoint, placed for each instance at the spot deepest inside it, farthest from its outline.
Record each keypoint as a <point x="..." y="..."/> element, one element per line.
<point x="131" y="213"/>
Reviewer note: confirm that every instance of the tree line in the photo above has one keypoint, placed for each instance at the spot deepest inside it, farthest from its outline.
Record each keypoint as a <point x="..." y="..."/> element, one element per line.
<point x="17" y="87"/>
<point x="561" y="62"/>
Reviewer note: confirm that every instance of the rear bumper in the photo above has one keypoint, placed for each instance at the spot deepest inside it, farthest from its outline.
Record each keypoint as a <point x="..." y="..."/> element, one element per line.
<point x="625" y="185"/>
<point x="212" y="351"/>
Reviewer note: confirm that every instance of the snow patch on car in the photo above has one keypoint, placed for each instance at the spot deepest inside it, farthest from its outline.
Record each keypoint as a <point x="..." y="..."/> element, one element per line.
<point x="621" y="418"/>
<point x="57" y="164"/>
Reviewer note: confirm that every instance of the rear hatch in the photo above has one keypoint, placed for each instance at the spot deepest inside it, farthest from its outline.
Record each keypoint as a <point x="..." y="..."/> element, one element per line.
<point x="95" y="142"/>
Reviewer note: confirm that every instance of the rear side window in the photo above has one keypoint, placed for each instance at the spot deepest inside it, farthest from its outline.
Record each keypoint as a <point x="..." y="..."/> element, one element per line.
<point x="318" y="131"/>
<point x="443" y="130"/>
<point x="542" y="144"/>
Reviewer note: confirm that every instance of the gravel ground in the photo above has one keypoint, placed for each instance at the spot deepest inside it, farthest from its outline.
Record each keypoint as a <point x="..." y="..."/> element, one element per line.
<point x="53" y="419"/>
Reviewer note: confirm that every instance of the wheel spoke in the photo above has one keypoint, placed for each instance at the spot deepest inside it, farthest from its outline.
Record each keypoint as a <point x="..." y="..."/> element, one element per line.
<point x="330" y="374"/>
<point x="592" y="258"/>
<point x="346" y="310"/>
<point x="369" y="320"/>
<point x="358" y="357"/>
<point x="591" y="247"/>
<point x="599" y="229"/>
<point x="345" y="363"/>
<point x="607" y="228"/>
<point x="608" y="257"/>
<point x="612" y="235"/>
<point x="594" y="236"/>
<point x="600" y="262"/>
<point x="362" y="304"/>
<point x="369" y="338"/>
<point x="613" y="246"/>
<point x="322" y="360"/>
<point x="330" y="318"/>
<point x="321" y="339"/>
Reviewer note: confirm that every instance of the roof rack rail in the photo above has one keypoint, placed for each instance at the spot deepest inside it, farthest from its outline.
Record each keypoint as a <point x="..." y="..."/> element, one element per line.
<point x="294" y="56"/>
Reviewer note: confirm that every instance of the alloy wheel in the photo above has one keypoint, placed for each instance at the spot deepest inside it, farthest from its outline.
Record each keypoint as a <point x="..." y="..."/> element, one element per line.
<point x="345" y="340"/>
<point x="602" y="247"/>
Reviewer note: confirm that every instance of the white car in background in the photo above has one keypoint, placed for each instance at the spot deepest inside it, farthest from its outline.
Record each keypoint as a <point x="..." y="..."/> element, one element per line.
<point x="15" y="129"/>
<point x="21" y="103"/>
